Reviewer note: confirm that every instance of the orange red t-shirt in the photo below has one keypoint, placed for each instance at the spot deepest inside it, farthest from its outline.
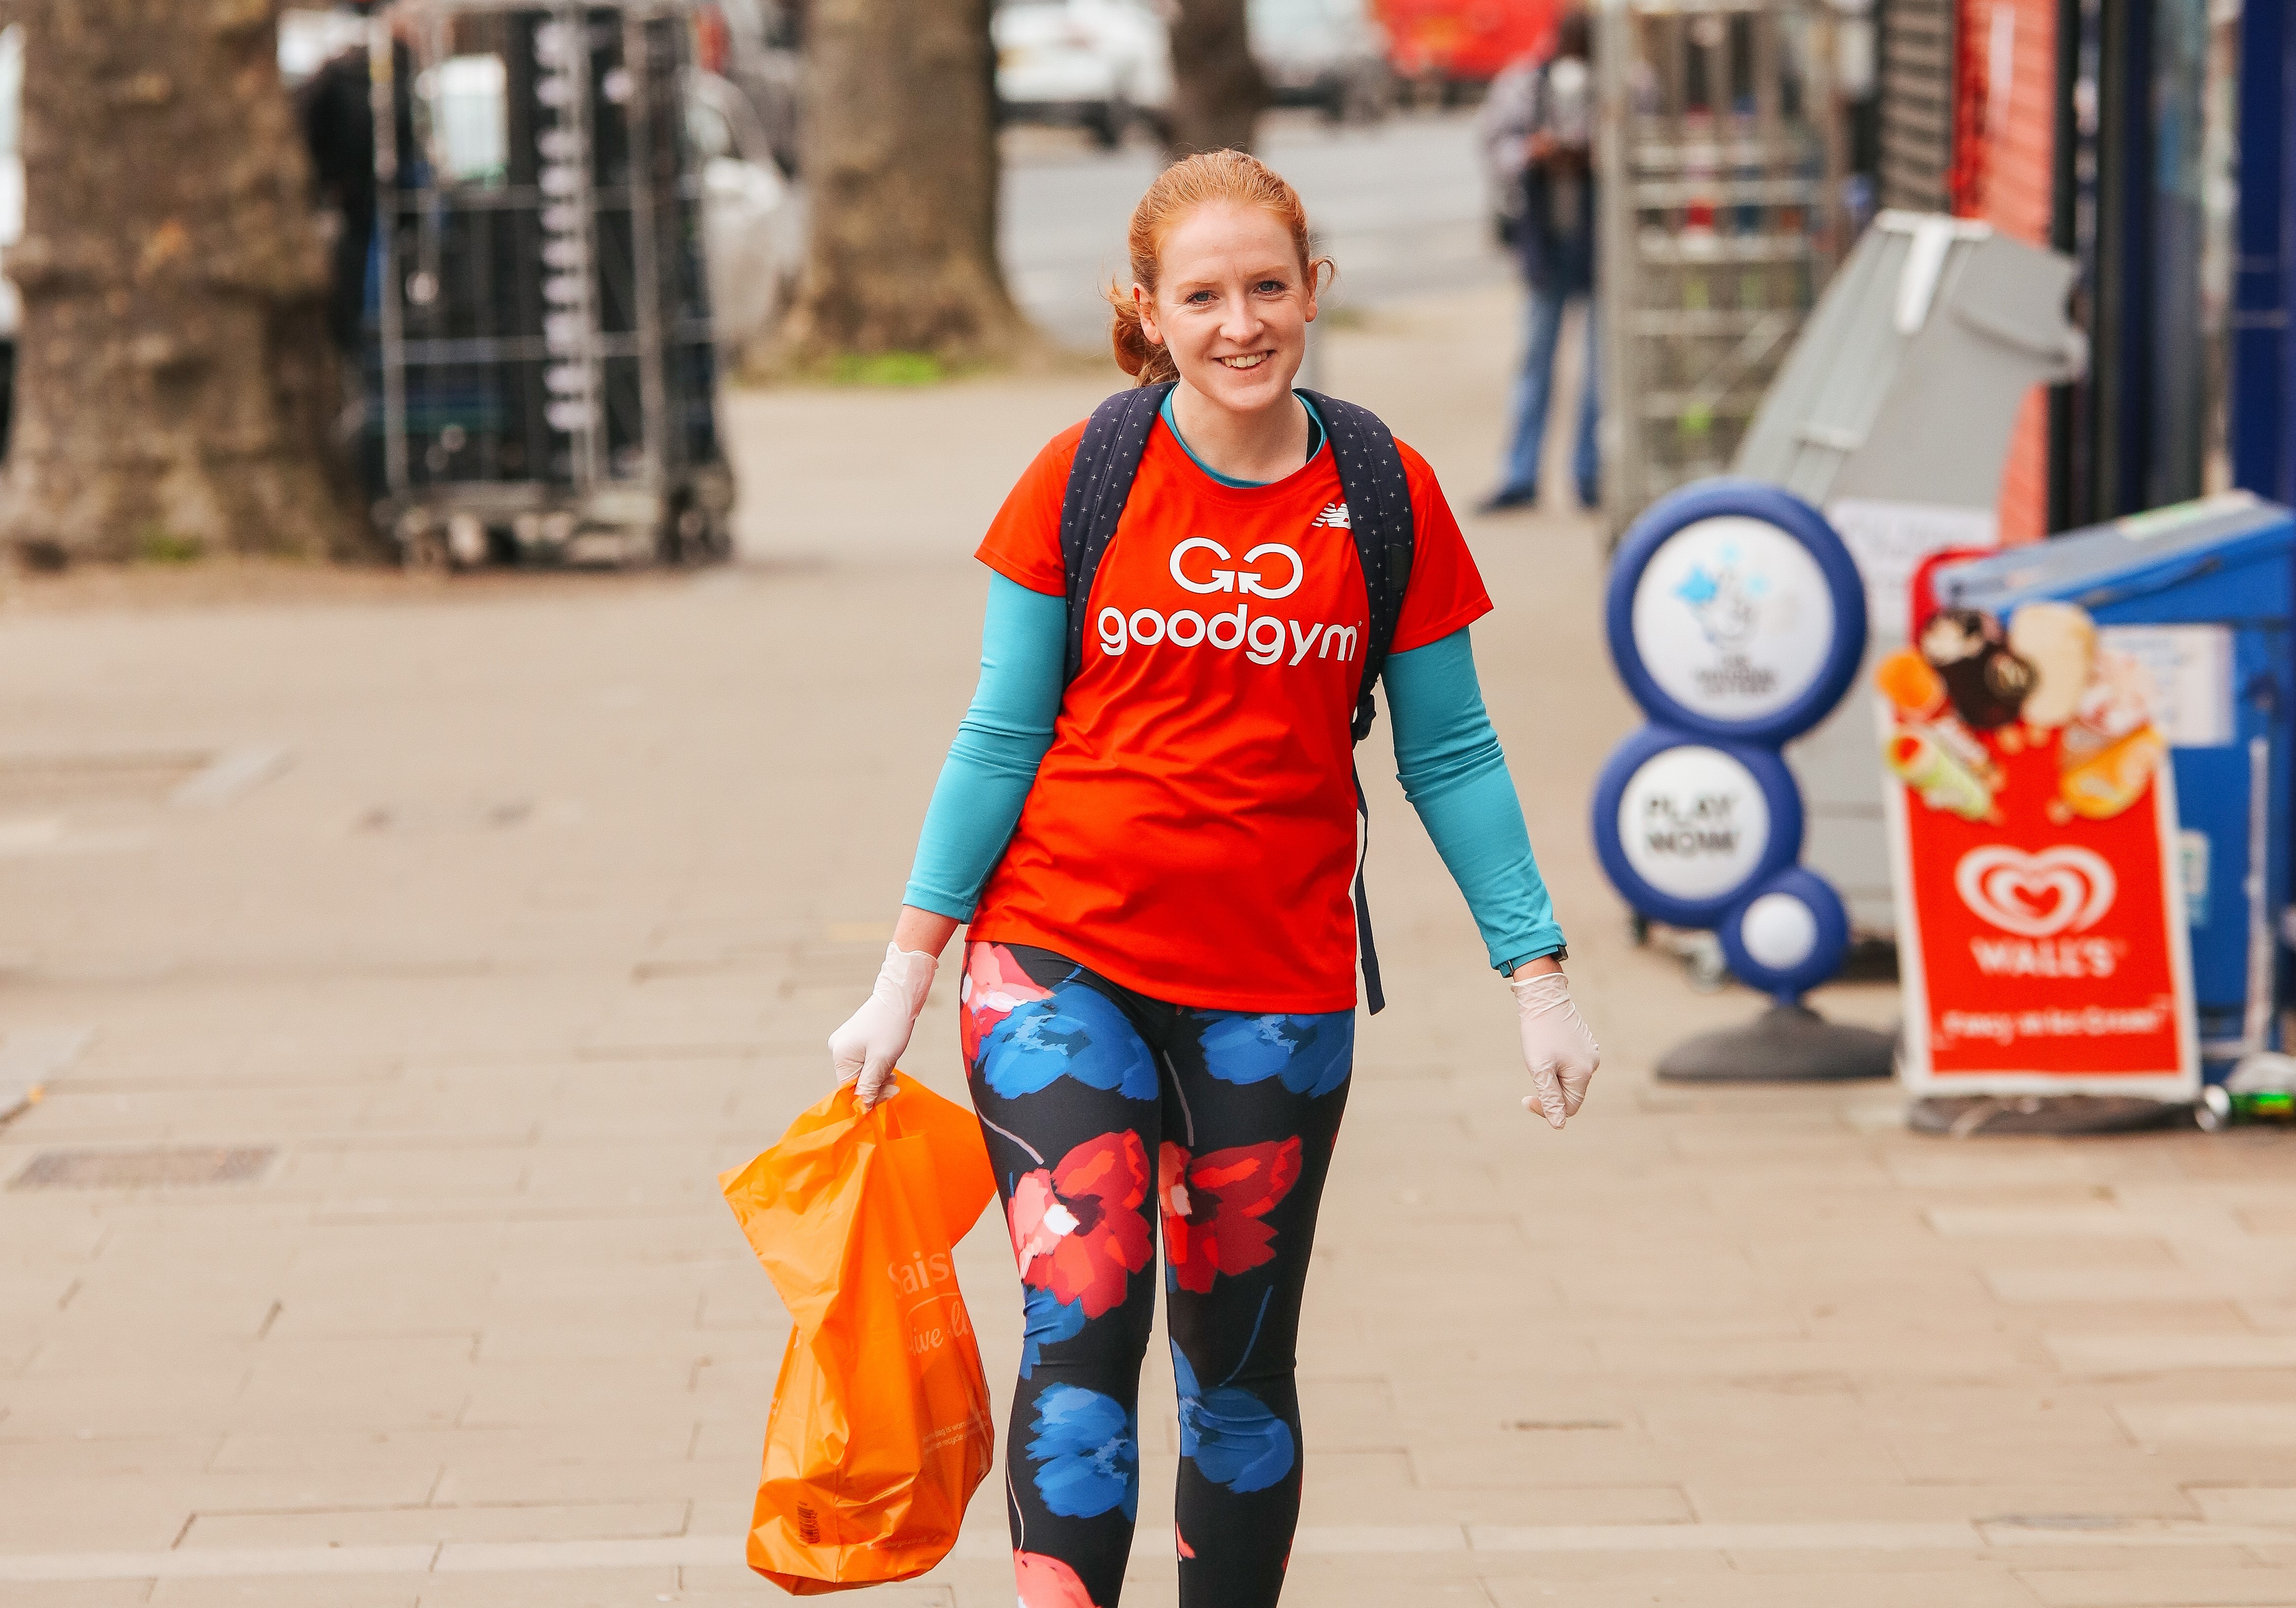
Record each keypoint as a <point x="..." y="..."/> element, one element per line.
<point x="1191" y="832"/>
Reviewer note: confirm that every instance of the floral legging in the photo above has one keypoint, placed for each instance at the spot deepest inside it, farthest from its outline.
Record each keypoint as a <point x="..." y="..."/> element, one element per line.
<point x="1104" y="1111"/>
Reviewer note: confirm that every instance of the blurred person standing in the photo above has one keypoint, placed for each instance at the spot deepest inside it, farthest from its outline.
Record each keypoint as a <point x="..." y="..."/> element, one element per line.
<point x="1537" y="130"/>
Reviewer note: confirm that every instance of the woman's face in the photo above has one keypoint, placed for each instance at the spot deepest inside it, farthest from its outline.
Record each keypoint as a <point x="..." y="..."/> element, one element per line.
<point x="1233" y="305"/>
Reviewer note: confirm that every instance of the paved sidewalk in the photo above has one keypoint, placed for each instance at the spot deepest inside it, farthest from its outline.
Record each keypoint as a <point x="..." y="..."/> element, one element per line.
<point x="543" y="916"/>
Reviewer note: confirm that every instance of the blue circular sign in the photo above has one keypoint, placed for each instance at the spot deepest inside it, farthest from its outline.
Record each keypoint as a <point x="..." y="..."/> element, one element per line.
<point x="1735" y="612"/>
<point x="1686" y="825"/>
<point x="1788" y="936"/>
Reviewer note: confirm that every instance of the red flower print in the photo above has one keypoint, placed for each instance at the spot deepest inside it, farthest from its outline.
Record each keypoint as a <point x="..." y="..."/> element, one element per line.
<point x="1077" y="1229"/>
<point x="1213" y="1205"/>
<point x="1046" y="1582"/>
<point x="993" y="986"/>
<point x="1178" y="1535"/>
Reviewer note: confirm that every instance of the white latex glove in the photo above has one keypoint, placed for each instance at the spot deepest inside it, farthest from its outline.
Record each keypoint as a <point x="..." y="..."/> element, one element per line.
<point x="1556" y="1047"/>
<point x="874" y="1036"/>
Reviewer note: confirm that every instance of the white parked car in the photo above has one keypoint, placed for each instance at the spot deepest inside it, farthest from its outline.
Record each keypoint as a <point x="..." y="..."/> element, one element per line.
<point x="1102" y="65"/>
<point x="1326" y="53"/>
<point x="753" y="219"/>
<point x="308" y="40"/>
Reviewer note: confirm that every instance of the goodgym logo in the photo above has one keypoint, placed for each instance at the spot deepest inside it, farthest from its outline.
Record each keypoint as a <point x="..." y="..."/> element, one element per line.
<point x="1253" y="582"/>
<point x="2063" y="888"/>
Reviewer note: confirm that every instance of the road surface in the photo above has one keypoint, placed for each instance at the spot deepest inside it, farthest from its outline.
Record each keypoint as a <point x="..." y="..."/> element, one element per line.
<point x="1399" y="205"/>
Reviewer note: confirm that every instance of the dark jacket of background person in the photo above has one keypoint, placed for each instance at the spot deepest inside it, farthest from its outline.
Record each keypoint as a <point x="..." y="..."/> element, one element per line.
<point x="337" y="111"/>
<point x="1552" y="214"/>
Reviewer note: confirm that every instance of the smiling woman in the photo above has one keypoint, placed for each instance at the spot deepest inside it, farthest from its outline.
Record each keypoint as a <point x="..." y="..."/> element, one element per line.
<point x="1149" y="819"/>
<point x="1223" y="280"/>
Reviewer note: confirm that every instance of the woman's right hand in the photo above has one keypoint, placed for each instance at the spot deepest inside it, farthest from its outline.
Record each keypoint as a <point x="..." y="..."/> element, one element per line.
<point x="874" y="1037"/>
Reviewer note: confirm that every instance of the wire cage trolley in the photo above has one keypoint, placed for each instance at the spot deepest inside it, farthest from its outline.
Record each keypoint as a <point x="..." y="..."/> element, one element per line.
<point x="542" y="378"/>
<point x="1720" y="156"/>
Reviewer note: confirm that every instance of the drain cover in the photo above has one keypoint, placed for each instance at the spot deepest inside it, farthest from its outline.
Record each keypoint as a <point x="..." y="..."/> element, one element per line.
<point x="166" y="1167"/>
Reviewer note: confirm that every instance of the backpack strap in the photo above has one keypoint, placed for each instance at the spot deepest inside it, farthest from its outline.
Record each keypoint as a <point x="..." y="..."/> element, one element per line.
<point x="1379" y="516"/>
<point x="1100" y="480"/>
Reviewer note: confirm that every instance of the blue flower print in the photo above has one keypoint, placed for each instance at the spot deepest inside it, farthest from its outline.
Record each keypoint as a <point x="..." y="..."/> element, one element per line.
<point x="1074" y="1033"/>
<point x="1045" y="1320"/>
<point x="1088" y="1453"/>
<point x="1312" y="1054"/>
<point x="1232" y="1437"/>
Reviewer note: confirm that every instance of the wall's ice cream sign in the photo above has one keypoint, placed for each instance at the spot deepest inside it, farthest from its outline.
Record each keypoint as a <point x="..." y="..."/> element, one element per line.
<point x="2043" y="935"/>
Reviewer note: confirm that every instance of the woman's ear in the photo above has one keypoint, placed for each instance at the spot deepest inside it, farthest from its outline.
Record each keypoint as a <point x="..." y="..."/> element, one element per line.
<point x="1144" y="303"/>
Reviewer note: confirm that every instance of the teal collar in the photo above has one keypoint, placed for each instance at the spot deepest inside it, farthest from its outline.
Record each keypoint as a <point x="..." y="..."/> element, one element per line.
<point x="1315" y="443"/>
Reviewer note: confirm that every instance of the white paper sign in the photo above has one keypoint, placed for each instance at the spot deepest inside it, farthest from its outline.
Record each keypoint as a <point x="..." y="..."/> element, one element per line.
<point x="1888" y="540"/>
<point x="1732" y="618"/>
<point x="2190" y="668"/>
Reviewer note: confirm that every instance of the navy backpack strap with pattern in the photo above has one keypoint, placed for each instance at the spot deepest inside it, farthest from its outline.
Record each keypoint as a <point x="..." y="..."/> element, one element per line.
<point x="1378" y="498"/>
<point x="1378" y="502"/>
<point x="1379" y="516"/>
<point x="1100" y="479"/>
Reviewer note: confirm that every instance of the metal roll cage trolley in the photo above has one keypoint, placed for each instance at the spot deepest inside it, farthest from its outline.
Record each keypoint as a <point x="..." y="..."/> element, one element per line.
<point x="1721" y="157"/>
<point x="541" y="383"/>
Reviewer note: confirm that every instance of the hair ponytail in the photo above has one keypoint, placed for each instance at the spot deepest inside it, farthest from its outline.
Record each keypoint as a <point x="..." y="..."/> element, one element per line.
<point x="1236" y="176"/>
<point x="1148" y="362"/>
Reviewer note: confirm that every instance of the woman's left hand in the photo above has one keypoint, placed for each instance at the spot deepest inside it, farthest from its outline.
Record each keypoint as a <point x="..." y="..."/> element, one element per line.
<point x="1556" y="1047"/>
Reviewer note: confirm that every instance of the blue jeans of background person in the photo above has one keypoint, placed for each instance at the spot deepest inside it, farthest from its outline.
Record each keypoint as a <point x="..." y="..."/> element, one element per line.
<point x="1535" y="389"/>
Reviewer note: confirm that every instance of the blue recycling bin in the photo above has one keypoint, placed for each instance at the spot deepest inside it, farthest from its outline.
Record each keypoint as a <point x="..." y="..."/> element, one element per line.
<point x="2202" y="594"/>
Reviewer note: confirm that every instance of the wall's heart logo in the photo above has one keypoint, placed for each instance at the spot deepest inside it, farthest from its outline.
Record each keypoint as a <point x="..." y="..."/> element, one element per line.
<point x="2035" y="895"/>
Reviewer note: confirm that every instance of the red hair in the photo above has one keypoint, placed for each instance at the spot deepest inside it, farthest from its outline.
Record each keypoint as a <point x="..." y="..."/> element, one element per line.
<point x="1235" y="176"/>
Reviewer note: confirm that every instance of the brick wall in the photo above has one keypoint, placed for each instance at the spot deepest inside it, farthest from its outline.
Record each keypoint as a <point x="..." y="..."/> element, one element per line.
<point x="2002" y="173"/>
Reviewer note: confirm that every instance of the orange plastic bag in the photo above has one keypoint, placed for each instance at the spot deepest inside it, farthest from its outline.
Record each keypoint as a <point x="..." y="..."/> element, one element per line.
<point x="879" y="1429"/>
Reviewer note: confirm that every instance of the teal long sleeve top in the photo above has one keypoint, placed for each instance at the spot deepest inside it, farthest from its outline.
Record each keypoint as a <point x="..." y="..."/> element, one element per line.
<point x="1447" y="757"/>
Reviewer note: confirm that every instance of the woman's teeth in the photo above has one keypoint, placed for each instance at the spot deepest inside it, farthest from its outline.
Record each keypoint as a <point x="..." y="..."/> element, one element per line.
<point x="1252" y="360"/>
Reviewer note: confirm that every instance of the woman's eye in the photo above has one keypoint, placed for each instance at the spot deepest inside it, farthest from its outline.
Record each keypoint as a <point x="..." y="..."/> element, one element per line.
<point x="1197" y="299"/>
<point x="1272" y="287"/>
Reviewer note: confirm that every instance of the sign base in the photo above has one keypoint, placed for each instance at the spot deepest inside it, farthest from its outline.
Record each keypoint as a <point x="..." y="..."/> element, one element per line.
<point x="1965" y="1116"/>
<point x="1786" y="1044"/>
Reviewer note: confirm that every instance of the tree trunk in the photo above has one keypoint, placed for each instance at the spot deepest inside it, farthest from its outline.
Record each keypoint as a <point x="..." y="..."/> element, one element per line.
<point x="1217" y="91"/>
<point x="173" y="376"/>
<point x="901" y="154"/>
